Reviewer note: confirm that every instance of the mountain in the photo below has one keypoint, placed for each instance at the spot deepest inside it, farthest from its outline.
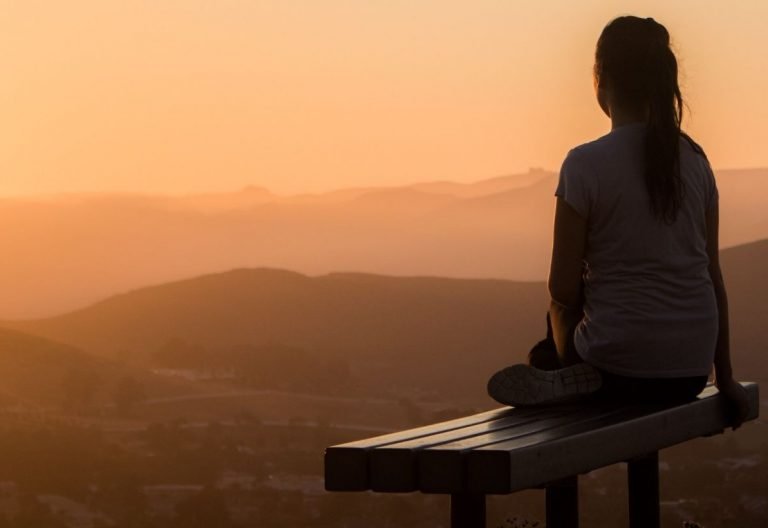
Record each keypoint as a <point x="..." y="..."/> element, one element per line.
<point x="744" y="271"/>
<point x="45" y="374"/>
<point x="41" y="373"/>
<point x="406" y="330"/>
<point x="417" y="332"/>
<point x="70" y="251"/>
<point x="483" y="187"/>
<point x="742" y="218"/>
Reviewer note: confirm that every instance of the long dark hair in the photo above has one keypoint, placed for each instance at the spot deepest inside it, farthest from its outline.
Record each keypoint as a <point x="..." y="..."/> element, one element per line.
<point x="634" y="58"/>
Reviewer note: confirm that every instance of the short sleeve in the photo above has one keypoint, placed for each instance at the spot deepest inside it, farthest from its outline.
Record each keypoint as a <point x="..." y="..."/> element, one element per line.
<point x="713" y="195"/>
<point x="573" y="186"/>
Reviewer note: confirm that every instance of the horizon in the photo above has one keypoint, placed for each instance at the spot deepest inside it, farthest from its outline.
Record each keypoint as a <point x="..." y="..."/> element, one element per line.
<point x="307" y="275"/>
<point x="72" y="249"/>
<point x="259" y="186"/>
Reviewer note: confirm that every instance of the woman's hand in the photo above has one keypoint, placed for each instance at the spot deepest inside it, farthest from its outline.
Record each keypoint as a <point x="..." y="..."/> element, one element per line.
<point x="737" y="401"/>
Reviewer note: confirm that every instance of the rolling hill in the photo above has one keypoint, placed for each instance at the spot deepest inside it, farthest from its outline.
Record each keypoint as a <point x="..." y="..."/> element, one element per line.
<point x="42" y="374"/>
<point x="408" y="332"/>
<point x="72" y="250"/>
<point x="38" y="372"/>
<point x="403" y="331"/>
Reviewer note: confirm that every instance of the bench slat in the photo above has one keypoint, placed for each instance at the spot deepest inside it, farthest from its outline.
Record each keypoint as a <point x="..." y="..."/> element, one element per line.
<point x="346" y="465"/>
<point x="442" y="469"/>
<point x="508" y="449"/>
<point x="528" y="462"/>
<point x="393" y="467"/>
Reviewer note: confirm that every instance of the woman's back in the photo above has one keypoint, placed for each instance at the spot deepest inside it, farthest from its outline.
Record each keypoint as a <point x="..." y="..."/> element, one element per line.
<point x="649" y="309"/>
<point x="638" y="304"/>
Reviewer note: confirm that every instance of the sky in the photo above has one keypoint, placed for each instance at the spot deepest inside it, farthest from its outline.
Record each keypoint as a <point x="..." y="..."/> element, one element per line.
<point x="180" y="96"/>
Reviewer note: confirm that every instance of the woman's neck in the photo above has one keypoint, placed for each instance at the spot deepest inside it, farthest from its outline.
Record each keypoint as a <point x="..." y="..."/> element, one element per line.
<point x="622" y="116"/>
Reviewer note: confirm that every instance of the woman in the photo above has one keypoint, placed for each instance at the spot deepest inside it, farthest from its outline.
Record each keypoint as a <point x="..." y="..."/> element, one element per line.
<point x="639" y="309"/>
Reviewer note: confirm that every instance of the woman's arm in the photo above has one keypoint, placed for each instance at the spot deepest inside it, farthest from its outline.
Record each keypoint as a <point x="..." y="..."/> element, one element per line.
<point x="565" y="279"/>
<point x="730" y="388"/>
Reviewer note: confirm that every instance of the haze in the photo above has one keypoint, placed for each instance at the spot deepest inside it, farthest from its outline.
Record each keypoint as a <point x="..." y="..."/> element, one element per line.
<point x="190" y="96"/>
<point x="237" y="232"/>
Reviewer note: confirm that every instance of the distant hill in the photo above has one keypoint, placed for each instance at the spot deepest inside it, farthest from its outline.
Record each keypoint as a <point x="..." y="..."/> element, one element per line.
<point x="41" y="373"/>
<point x="410" y="331"/>
<point x="744" y="270"/>
<point x="426" y="332"/>
<point x="68" y="251"/>
<point x="483" y="187"/>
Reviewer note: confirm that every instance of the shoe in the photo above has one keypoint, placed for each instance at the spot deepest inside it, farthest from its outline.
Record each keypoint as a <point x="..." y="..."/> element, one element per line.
<point x="523" y="385"/>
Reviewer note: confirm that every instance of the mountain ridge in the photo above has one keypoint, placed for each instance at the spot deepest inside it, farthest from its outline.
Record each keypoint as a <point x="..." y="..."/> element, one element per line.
<point x="104" y="244"/>
<point x="436" y="326"/>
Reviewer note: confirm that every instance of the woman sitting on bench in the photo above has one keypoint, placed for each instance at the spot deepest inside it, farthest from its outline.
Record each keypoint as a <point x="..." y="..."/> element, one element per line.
<point x="639" y="308"/>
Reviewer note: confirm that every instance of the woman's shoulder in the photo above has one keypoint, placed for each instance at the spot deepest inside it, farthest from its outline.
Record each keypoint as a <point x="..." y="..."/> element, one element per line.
<point x="688" y="143"/>
<point x="693" y="154"/>
<point x="598" y="147"/>
<point x="586" y="157"/>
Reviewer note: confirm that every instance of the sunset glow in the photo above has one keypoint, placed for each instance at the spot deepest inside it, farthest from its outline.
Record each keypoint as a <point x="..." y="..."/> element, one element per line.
<point x="189" y="95"/>
<point x="243" y="239"/>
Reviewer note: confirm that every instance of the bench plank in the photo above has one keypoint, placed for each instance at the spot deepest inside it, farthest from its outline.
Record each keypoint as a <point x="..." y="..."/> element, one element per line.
<point x="443" y="469"/>
<point x="508" y="449"/>
<point x="528" y="462"/>
<point x="393" y="467"/>
<point x="346" y="465"/>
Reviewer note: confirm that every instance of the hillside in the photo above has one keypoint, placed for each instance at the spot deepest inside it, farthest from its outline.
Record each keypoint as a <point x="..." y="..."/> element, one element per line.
<point x="36" y="371"/>
<point x="409" y="330"/>
<point x="42" y="374"/>
<point x="747" y="285"/>
<point x="72" y="250"/>
<point x="415" y="332"/>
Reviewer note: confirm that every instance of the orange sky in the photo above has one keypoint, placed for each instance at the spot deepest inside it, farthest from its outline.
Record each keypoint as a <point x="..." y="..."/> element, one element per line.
<point x="192" y="95"/>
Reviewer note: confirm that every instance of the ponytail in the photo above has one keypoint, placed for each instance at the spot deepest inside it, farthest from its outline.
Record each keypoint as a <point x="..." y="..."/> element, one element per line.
<point x="633" y="55"/>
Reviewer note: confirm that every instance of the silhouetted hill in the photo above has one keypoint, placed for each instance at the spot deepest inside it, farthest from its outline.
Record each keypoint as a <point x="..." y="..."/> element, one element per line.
<point x="483" y="187"/>
<point x="410" y="331"/>
<point x="398" y="201"/>
<point x="744" y="270"/>
<point x="72" y="250"/>
<point x="422" y="332"/>
<point x="40" y="372"/>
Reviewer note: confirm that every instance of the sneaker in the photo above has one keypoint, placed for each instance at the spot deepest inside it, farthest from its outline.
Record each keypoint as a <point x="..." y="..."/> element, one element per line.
<point x="522" y="385"/>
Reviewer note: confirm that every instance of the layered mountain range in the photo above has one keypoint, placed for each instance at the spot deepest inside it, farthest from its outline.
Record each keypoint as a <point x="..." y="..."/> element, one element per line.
<point x="428" y="334"/>
<point x="66" y="251"/>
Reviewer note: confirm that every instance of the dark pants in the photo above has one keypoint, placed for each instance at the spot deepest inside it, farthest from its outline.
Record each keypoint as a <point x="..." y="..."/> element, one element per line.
<point x="544" y="355"/>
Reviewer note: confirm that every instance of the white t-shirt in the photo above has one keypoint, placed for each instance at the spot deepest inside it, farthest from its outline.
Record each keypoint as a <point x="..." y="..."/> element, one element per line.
<point x="650" y="308"/>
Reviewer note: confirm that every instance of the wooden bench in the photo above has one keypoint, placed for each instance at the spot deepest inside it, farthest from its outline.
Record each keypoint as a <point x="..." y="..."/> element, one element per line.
<point x="508" y="449"/>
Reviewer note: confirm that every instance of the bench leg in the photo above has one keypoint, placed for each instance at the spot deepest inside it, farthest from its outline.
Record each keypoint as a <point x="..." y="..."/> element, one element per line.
<point x="467" y="510"/>
<point x="643" y="483"/>
<point x="562" y="503"/>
